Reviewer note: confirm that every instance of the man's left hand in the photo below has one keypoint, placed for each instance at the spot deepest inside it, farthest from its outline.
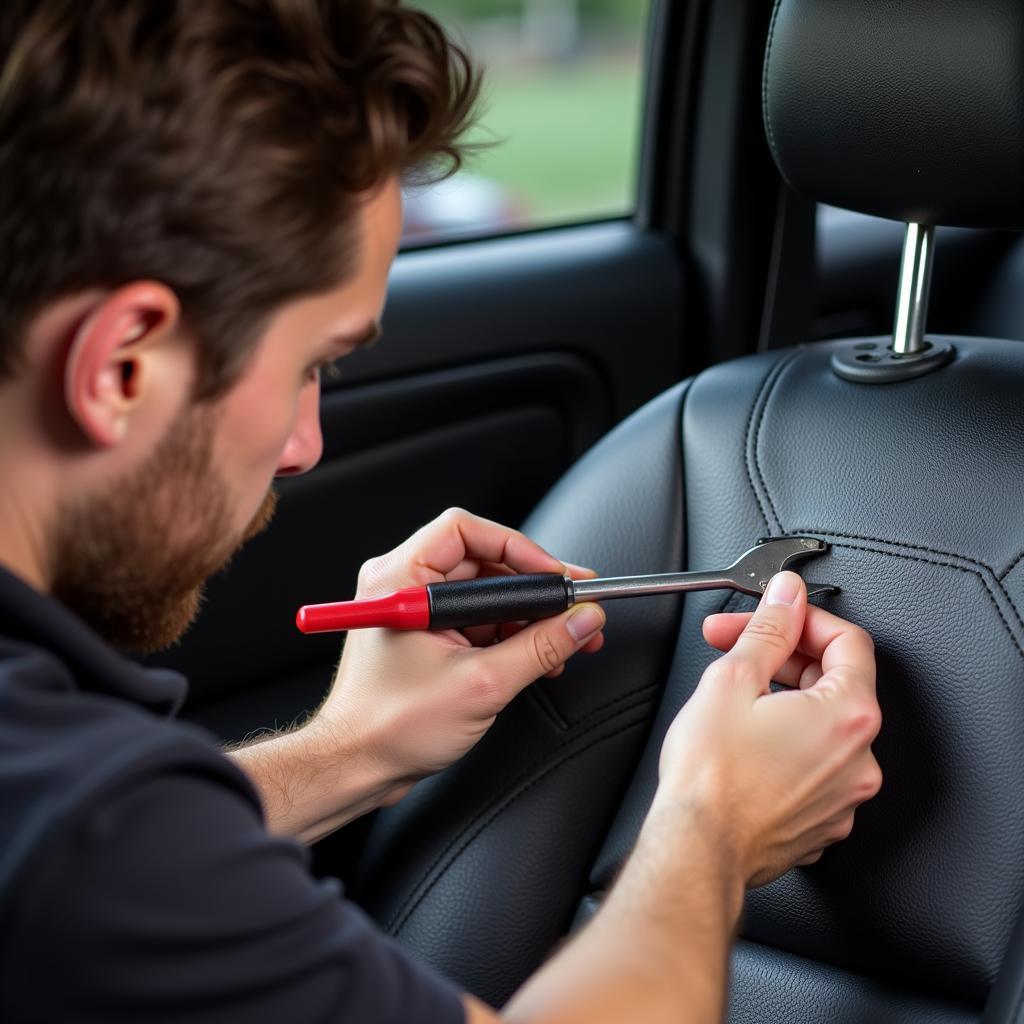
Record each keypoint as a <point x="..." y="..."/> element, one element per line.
<point x="411" y="703"/>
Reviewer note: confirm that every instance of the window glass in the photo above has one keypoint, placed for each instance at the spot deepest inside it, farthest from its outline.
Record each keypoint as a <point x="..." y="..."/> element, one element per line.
<point x="561" y="110"/>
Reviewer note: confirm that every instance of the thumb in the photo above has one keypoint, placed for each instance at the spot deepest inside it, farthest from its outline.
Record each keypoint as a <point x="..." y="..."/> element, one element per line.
<point x="772" y="633"/>
<point x="542" y="646"/>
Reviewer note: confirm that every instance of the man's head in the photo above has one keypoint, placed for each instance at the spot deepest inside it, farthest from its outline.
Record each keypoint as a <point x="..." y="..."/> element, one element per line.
<point x="200" y="208"/>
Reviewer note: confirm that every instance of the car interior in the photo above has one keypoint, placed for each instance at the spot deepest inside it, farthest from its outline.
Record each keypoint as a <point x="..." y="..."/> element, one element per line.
<point x="746" y="355"/>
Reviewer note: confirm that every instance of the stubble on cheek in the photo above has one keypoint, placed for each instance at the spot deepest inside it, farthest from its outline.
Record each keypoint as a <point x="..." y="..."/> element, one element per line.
<point x="132" y="561"/>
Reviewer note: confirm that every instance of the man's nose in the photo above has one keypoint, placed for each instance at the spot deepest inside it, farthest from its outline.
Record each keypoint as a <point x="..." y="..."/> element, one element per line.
<point x="305" y="444"/>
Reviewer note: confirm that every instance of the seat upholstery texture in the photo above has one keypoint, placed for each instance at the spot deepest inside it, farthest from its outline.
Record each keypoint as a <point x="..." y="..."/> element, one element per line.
<point x="770" y="985"/>
<point x="919" y="488"/>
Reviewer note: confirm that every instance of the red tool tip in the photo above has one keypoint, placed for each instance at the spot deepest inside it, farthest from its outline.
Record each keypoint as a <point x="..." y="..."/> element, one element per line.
<point x="405" y="609"/>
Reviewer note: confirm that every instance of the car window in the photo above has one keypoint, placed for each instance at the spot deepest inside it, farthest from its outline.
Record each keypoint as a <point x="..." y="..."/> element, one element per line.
<point x="562" y="112"/>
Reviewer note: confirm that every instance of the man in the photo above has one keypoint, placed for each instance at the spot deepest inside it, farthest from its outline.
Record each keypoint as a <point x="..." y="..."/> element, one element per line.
<point x="199" y="209"/>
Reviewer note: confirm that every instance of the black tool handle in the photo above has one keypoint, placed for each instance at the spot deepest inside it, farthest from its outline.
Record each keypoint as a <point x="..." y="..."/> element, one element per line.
<point x="494" y="599"/>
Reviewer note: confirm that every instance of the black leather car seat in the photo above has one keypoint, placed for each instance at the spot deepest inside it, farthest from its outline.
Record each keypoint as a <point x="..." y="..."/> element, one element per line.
<point x="911" y="110"/>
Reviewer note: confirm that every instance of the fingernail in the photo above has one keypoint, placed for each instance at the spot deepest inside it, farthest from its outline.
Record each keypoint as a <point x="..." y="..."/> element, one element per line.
<point x="584" y="622"/>
<point x="783" y="588"/>
<point x="571" y="567"/>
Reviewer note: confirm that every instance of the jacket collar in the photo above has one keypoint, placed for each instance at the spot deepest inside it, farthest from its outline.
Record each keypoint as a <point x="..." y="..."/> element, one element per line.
<point x="27" y="616"/>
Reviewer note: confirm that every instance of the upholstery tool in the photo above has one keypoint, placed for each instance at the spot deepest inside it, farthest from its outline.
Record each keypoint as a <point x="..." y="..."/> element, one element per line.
<point x="496" y="599"/>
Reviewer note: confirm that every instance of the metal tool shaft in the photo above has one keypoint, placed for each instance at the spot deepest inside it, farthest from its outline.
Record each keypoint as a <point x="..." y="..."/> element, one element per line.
<point x="636" y="586"/>
<point x="749" y="574"/>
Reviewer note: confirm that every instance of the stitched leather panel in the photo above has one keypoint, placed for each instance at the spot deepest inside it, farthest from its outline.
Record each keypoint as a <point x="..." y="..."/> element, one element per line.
<point x="902" y="479"/>
<point x="1013" y="584"/>
<point x="502" y="889"/>
<point x="928" y="888"/>
<point x="479" y="870"/>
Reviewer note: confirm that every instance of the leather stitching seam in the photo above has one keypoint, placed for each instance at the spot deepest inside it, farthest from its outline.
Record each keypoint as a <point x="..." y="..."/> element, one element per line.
<point x="616" y="700"/>
<point x="1013" y="565"/>
<point x="747" y="463"/>
<point x="751" y="456"/>
<point x="764" y="84"/>
<point x="488" y="814"/>
<point x="899" y="544"/>
<point x="547" y="708"/>
<point x="943" y="558"/>
<point x="506" y="803"/>
<point x="399" y="918"/>
<point x="1013" y="604"/>
<point x="756" y="441"/>
<point x="948" y="565"/>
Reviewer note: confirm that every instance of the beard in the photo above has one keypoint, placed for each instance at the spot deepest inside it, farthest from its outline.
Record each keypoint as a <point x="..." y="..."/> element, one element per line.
<point x="132" y="562"/>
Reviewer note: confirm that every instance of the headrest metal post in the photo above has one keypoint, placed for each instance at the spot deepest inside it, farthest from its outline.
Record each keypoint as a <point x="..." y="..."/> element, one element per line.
<point x="915" y="283"/>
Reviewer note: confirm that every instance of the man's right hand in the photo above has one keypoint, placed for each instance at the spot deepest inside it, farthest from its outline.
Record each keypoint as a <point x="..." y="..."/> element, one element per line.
<point x="752" y="783"/>
<point x="777" y="776"/>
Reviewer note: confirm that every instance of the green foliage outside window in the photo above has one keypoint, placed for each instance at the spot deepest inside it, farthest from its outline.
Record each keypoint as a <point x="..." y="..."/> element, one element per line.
<point x="562" y="104"/>
<point x="622" y="10"/>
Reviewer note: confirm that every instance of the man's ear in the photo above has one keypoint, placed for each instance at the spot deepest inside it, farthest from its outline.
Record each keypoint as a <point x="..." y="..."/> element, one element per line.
<point x="112" y="357"/>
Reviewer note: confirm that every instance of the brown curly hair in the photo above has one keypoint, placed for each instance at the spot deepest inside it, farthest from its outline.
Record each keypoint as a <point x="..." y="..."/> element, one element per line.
<point x="218" y="146"/>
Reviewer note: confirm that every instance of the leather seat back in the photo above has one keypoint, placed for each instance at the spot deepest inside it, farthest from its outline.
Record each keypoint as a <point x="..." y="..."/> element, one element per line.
<point x="919" y="489"/>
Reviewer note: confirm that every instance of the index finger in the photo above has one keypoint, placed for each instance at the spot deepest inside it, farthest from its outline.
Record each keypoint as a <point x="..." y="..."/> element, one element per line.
<point x="457" y="535"/>
<point x="825" y="637"/>
<point x="835" y="642"/>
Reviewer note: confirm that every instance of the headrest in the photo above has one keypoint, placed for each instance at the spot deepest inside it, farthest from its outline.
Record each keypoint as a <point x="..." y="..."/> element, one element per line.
<point x="907" y="109"/>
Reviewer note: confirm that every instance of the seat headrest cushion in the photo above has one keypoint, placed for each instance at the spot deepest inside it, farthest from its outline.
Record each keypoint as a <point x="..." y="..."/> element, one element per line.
<point x="907" y="109"/>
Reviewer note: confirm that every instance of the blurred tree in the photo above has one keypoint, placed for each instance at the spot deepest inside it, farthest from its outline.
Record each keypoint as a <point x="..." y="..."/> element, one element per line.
<point x="628" y="11"/>
<point x="624" y="11"/>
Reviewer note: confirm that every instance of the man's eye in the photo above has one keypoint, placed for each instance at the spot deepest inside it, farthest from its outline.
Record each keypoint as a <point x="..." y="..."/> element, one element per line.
<point x="328" y="371"/>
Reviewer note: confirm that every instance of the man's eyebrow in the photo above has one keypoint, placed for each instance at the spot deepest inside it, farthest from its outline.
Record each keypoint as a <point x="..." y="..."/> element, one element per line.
<point x="364" y="338"/>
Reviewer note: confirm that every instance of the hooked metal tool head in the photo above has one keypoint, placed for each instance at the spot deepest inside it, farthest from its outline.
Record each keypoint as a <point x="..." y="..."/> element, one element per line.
<point x="753" y="569"/>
